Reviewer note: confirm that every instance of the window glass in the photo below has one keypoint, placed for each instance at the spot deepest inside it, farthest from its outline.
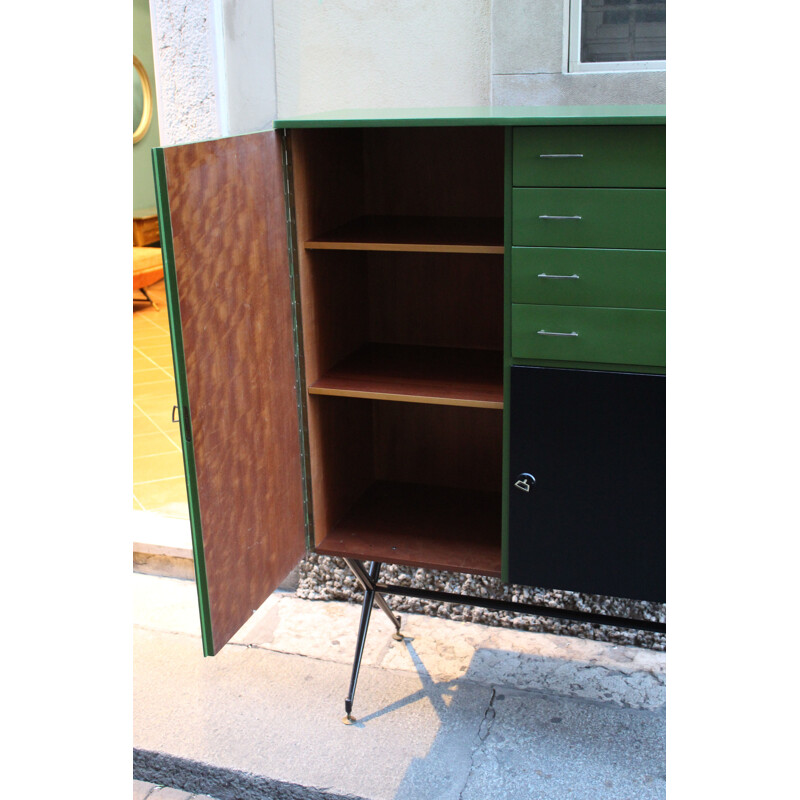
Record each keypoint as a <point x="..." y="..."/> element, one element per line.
<point x="623" y="30"/>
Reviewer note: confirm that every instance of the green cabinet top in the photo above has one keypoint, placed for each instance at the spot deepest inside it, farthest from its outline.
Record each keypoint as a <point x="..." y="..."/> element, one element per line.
<point x="497" y="115"/>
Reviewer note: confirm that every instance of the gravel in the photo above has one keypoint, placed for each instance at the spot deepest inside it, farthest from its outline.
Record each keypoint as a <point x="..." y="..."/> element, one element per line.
<point x="328" y="578"/>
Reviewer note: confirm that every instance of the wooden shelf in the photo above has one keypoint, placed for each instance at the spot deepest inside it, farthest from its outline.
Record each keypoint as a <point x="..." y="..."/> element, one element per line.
<point x="422" y="526"/>
<point x="436" y="375"/>
<point x="415" y="235"/>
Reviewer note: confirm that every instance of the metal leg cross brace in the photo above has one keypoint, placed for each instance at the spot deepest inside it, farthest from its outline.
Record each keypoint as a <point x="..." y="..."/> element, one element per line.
<point x="374" y="591"/>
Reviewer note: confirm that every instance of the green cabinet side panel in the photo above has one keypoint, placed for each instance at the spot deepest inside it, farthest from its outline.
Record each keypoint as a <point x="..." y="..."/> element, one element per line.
<point x="588" y="277"/>
<point x="506" y="353"/>
<point x="603" y="218"/>
<point x="576" y="333"/>
<point x="171" y="284"/>
<point x="608" y="156"/>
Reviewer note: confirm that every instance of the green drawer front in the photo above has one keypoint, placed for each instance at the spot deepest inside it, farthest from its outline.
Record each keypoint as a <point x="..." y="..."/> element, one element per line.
<point x="610" y="156"/>
<point x="580" y="277"/>
<point x="607" y="218"/>
<point x="604" y="335"/>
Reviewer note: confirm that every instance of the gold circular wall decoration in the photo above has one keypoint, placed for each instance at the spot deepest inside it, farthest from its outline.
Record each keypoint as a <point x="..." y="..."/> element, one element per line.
<point x="142" y="101"/>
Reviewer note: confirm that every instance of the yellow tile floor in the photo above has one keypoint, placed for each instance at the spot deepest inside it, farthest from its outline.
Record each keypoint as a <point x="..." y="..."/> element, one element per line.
<point x="158" y="482"/>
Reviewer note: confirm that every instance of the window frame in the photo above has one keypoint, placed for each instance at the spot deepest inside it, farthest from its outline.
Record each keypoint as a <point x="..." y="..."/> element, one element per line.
<point x="574" y="63"/>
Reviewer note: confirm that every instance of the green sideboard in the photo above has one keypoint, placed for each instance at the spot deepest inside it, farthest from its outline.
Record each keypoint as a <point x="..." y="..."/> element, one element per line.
<point x="432" y="337"/>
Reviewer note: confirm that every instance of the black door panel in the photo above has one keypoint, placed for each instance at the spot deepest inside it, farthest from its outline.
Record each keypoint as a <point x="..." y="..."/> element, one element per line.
<point x="593" y="519"/>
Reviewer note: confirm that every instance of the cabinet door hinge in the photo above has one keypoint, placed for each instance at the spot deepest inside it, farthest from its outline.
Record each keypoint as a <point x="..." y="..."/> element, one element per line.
<point x="297" y="329"/>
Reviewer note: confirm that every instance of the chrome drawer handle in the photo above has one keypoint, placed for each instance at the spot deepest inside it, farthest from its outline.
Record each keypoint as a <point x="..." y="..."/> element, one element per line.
<point x="573" y="277"/>
<point x="554" y="333"/>
<point x="552" y="216"/>
<point x="561" y="155"/>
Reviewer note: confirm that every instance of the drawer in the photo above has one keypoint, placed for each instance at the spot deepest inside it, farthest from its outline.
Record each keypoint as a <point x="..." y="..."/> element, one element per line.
<point x="582" y="277"/>
<point x="602" y="218"/>
<point x="630" y="336"/>
<point x="602" y="155"/>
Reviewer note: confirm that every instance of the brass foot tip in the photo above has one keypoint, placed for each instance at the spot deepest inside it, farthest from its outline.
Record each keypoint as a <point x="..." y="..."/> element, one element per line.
<point x="398" y="637"/>
<point x="348" y="719"/>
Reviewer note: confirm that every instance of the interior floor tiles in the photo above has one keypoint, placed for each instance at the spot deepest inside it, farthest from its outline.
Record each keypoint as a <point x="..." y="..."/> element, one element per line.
<point x="158" y="480"/>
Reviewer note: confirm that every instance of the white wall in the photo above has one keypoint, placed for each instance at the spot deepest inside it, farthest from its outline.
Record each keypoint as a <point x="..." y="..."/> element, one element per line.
<point x="232" y="66"/>
<point x="248" y="42"/>
<point x="344" y="54"/>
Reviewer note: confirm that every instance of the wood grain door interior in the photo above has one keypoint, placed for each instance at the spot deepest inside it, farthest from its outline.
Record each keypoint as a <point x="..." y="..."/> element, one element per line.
<point x="229" y="285"/>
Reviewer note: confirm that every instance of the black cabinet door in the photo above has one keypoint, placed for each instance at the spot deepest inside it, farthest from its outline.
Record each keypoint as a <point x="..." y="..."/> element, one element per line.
<point x="590" y="515"/>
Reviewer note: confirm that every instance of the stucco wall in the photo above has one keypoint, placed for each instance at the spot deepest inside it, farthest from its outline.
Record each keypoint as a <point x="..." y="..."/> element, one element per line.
<point x="215" y="67"/>
<point x="185" y="54"/>
<point x="529" y="62"/>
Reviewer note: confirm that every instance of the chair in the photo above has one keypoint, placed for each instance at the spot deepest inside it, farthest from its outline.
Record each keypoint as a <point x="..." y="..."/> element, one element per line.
<point x="147" y="270"/>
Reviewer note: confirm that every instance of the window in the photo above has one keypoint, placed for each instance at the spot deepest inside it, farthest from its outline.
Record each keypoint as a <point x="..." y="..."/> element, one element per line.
<point x="617" y="35"/>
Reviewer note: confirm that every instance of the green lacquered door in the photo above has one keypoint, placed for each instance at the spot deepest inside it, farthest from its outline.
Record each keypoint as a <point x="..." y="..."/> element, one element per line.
<point x="223" y="223"/>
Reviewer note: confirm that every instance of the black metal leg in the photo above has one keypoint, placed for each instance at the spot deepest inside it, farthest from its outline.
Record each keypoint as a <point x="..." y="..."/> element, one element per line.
<point x="374" y="591"/>
<point x="147" y="299"/>
<point x="363" y="625"/>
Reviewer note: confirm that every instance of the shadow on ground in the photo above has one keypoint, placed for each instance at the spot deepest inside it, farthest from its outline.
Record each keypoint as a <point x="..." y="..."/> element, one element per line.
<point x="415" y="738"/>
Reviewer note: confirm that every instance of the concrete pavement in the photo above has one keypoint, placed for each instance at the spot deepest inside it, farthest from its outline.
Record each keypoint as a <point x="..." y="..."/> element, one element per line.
<point x="456" y="711"/>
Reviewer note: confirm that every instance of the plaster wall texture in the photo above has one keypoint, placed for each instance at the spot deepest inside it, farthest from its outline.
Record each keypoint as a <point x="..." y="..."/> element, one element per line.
<point x="185" y="55"/>
<point x="336" y="54"/>
<point x="527" y="36"/>
<point x="557" y="89"/>
<point x="529" y="62"/>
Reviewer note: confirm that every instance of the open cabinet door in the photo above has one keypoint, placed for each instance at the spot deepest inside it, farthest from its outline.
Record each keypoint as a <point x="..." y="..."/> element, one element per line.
<point x="226" y="263"/>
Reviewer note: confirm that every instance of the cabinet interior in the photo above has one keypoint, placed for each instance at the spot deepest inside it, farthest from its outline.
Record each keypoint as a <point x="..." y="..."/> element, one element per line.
<point x="400" y="262"/>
